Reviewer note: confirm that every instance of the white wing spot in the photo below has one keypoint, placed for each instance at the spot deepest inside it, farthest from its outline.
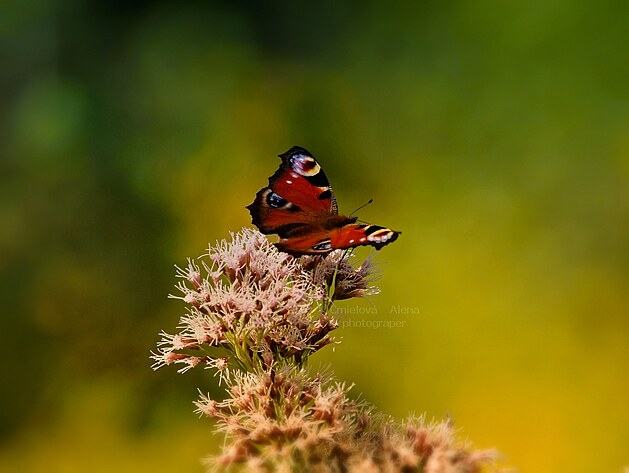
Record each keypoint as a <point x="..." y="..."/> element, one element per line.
<point x="289" y="182"/>
<point x="381" y="235"/>
<point x="363" y="239"/>
<point x="351" y="241"/>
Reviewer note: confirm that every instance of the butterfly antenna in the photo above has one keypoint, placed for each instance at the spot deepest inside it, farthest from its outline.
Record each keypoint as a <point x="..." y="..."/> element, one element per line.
<point x="362" y="206"/>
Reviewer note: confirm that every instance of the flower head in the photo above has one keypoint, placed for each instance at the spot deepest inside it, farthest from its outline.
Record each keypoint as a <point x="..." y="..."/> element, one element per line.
<point x="262" y="306"/>
<point x="292" y="420"/>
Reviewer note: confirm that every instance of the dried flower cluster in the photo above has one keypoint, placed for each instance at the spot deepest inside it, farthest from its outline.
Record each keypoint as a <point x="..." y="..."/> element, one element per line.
<point x="254" y="315"/>
<point x="316" y="427"/>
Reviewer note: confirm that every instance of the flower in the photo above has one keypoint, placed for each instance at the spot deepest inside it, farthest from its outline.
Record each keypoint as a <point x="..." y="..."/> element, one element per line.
<point x="254" y="315"/>
<point x="291" y="420"/>
<point x="262" y="306"/>
<point x="335" y="272"/>
<point x="246" y="298"/>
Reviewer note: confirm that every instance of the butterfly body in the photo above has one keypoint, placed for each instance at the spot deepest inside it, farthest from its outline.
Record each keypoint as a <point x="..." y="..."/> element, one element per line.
<point x="300" y="207"/>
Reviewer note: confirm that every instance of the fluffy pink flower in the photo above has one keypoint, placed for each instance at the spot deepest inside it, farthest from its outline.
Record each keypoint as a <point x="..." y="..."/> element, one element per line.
<point x="254" y="315"/>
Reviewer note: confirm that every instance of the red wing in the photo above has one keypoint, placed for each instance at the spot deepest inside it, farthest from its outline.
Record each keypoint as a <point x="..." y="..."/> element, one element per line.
<point x="347" y="236"/>
<point x="298" y="194"/>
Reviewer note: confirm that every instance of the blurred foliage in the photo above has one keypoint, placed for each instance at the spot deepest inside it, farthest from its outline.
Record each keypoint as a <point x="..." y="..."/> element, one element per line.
<point x="494" y="135"/>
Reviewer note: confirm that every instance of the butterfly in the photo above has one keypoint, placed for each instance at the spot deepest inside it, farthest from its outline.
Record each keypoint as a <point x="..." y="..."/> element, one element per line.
<point x="300" y="207"/>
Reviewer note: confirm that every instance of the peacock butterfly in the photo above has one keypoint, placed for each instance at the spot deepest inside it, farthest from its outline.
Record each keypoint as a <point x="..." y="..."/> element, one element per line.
<point x="300" y="207"/>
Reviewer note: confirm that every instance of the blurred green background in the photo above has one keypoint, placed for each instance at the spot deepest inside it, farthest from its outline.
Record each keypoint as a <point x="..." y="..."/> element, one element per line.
<point x="495" y="135"/>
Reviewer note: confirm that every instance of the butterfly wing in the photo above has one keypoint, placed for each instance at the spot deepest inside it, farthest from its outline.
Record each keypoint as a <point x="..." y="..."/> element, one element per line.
<point x="349" y="235"/>
<point x="298" y="195"/>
